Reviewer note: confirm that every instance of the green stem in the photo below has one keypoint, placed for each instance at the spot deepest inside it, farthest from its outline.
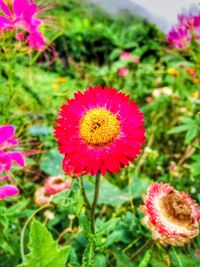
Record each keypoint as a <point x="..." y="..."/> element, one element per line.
<point x="94" y="204"/>
<point x="177" y="257"/>
<point x="87" y="203"/>
<point x="24" y="230"/>
<point x="146" y="245"/>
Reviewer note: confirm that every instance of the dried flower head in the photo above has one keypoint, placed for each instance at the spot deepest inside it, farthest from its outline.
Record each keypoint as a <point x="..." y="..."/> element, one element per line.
<point x="171" y="216"/>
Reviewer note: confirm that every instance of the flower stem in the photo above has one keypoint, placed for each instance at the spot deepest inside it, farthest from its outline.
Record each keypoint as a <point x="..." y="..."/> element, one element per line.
<point x="94" y="204"/>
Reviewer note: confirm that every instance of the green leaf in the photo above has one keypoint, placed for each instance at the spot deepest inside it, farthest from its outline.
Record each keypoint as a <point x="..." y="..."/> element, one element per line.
<point x="145" y="261"/>
<point x="44" y="251"/>
<point x="179" y="129"/>
<point x="191" y="134"/>
<point x="101" y="260"/>
<point x="89" y="255"/>
<point x="51" y="163"/>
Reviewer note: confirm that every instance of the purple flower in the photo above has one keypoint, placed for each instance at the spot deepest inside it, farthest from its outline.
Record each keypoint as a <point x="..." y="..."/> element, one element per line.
<point x="188" y="28"/>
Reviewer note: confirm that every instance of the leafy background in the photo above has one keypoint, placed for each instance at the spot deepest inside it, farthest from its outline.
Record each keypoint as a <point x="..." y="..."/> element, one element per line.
<point x="87" y="52"/>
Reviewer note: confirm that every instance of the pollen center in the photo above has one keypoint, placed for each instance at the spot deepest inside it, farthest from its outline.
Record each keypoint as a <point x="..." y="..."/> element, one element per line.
<point x="99" y="127"/>
<point x="177" y="209"/>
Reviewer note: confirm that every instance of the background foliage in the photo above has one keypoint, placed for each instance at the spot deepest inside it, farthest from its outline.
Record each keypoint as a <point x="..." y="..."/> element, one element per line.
<point x="32" y="88"/>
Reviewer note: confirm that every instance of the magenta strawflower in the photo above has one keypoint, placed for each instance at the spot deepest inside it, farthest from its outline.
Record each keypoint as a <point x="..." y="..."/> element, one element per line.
<point x="172" y="216"/>
<point x="22" y="16"/>
<point x="100" y="130"/>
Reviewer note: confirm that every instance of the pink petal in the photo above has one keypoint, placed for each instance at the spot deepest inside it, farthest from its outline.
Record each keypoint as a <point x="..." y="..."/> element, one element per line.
<point x="4" y="22"/>
<point x="6" y="131"/>
<point x="18" y="158"/>
<point x="4" y="8"/>
<point x="19" y="6"/>
<point x="4" y="178"/>
<point x="8" y="190"/>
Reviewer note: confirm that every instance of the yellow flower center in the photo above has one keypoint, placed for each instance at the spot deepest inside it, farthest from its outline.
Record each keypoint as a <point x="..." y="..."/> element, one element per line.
<point x="99" y="127"/>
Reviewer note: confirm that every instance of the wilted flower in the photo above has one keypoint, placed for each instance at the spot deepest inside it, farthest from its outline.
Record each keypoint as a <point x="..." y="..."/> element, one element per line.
<point x="122" y="72"/>
<point x="136" y="59"/>
<point x="171" y="216"/>
<point x="100" y="130"/>
<point x="125" y="55"/>
<point x="56" y="184"/>
<point x="41" y="197"/>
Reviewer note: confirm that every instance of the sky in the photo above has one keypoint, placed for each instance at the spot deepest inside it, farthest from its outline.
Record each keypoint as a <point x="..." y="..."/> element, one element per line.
<point x="166" y="9"/>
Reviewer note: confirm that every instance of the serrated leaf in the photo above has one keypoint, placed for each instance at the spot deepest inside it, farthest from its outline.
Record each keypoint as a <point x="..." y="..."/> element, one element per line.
<point x="89" y="256"/>
<point x="44" y="251"/>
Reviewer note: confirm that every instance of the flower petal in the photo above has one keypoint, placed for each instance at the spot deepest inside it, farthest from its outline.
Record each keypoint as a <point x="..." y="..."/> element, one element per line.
<point x="8" y="190"/>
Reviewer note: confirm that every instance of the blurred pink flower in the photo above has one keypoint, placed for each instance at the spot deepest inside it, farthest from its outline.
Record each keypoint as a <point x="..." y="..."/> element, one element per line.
<point x="8" y="191"/>
<point x="56" y="184"/>
<point x="136" y="59"/>
<point x="20" y="15"/>
<point x="149" y="99"/>
<point x="188" y="27"/>
<point x="7" y="141"/>
<point x="36" y="40"/>
<point x="122" y="72"/>
<point x="125" y="55"/>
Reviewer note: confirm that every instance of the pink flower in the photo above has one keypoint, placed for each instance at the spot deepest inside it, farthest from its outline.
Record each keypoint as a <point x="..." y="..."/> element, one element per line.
<point x="188" y="27"/>
<point x="56" y="184"/>
<point x="7" y="137"/>
<point x="172" y="216"/>
<point x="149" y="99"/>
<point x="7" y="190"/>
<point x="125" y="55"/>
<point x="99" y="130"/>
<point x="21" y="15"/>
<point x="36" y="40"/>
<point x="69" y="168"/>
<point x="136" y="59"/>
<point x="122" y="72"/>
<point x="7" y="142"/>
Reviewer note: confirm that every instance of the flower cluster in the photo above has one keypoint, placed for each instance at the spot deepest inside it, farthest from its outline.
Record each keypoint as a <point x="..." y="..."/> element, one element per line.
<point x="21" y="16"/>
<point x="7" y="158"/>
<point x="52" y="186"/>
<point x="172" y="216"/>
<point x="188" y="28"/>
<point x="99" y="130"/>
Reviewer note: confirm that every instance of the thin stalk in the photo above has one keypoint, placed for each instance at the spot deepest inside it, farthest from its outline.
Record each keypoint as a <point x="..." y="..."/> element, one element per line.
<point x="146" y="245"/>
<point x="24" y="230"/>
<point x="87" y="203"/>
<point x="94" y="204"/>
